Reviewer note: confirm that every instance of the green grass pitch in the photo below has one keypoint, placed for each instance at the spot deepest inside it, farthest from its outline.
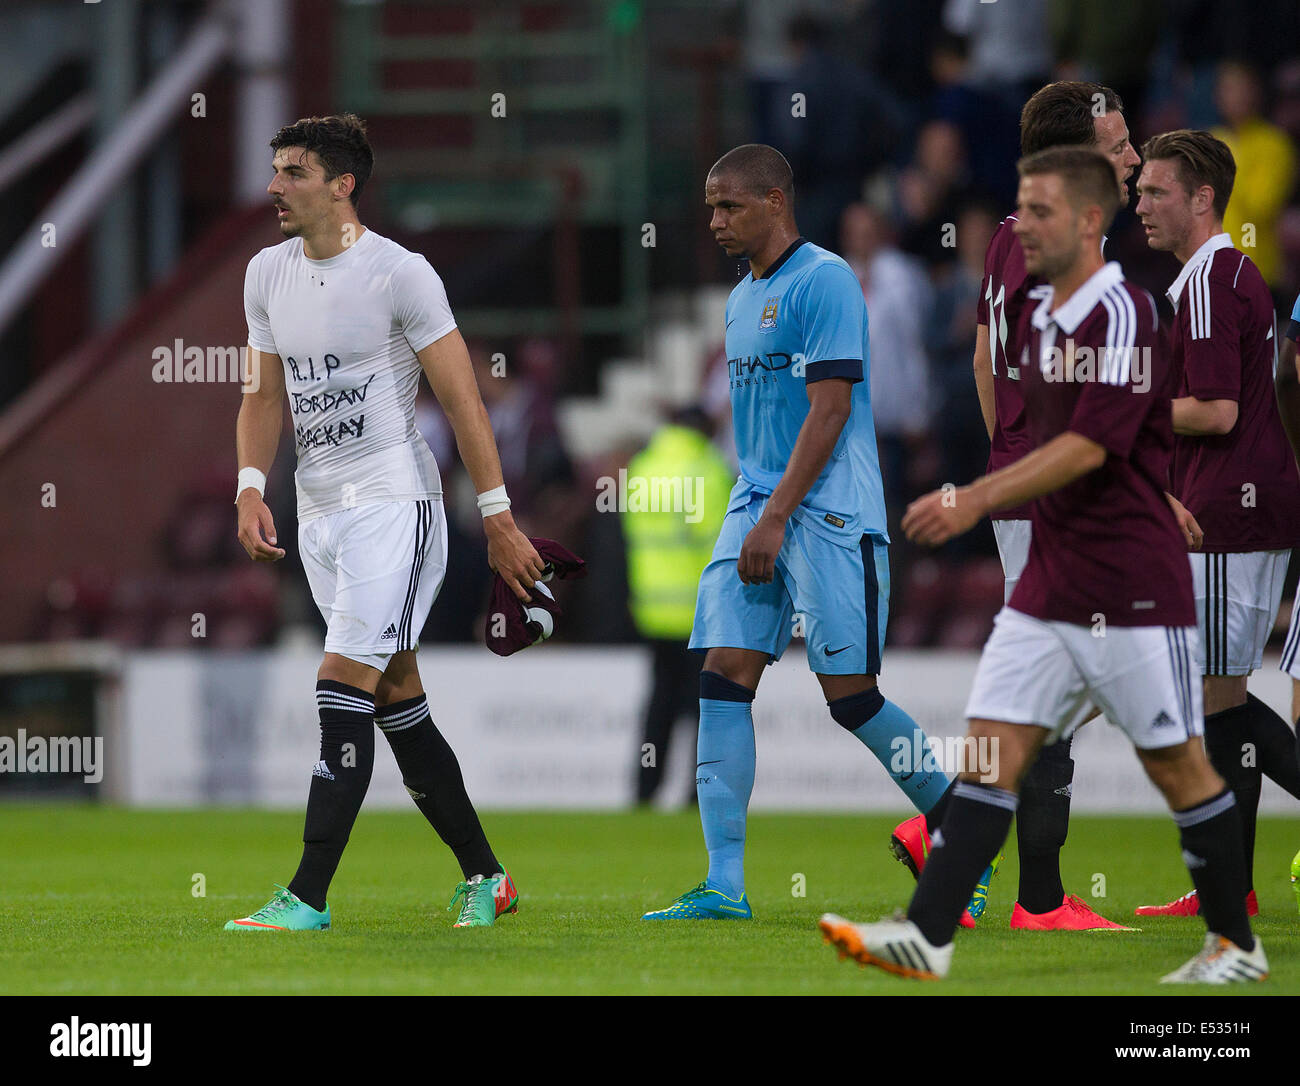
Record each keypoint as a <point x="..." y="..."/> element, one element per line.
<point x="102" y="901"/>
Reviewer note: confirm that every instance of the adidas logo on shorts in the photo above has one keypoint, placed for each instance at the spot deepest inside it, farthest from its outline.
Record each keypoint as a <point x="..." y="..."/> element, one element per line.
<point x="1162" y="720"/>
<point x="320" y="769"/>
<point x="390" y="632"/>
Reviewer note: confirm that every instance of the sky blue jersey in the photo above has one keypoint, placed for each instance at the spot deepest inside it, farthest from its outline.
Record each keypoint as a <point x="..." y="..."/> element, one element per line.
<point x="804" y="321"/>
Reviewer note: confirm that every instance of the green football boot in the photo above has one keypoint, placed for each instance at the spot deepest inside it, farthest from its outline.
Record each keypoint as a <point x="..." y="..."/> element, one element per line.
<point x="484" y="899"/>
<point x="980" y="897"/>
<point x="702" y="903"/>
<point x="284" y="912"/>
<point x="1295" y="878"/>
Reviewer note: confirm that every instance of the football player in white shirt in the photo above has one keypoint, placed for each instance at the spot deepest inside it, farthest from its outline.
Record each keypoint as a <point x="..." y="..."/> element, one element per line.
<point x="340" y="323"/>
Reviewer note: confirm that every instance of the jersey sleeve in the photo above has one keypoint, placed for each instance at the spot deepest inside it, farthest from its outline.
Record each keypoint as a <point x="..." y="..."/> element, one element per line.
<point x="259" y="325"/>
<point x="1212" y="348"/>
<point x="833" y="318"/>
<point x="1293" y="325"/>
<point x="420" y="304"/>
<point x="1130" y="378"/>
<point x="986" y="280"/>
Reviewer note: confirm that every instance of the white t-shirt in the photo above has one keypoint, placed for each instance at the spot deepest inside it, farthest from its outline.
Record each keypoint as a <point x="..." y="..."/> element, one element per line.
<point x="347" y="330"/>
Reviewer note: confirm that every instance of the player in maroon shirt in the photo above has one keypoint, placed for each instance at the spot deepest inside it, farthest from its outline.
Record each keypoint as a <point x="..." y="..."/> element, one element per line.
<point x="1287" y="385"/>
<point x="1064" y="113"/>
<point x="1103" y="613"/>
<point x="1233" y="467"/>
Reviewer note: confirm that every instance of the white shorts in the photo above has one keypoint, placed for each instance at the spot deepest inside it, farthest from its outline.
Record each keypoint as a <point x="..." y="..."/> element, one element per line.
<point x="1013" y="538"/>
<point x="374" y="572"/>
<point x="1050" y="674"/>
<point x="1237" y="597"/>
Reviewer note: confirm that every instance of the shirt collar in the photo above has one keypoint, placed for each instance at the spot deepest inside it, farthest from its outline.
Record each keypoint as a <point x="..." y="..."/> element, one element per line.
<point x="775" y="266"/>
<point x="1213" y="245"/>
<point x="1072" y="314"/>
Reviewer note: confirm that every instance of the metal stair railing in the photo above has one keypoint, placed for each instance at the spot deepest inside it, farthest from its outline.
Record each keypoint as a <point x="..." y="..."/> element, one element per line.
<point x="569" y="153"/>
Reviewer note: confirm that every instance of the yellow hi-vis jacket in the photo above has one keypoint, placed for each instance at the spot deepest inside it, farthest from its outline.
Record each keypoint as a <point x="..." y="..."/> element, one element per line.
<point x="676" y="497"/>
<point x="1266" y="168"/>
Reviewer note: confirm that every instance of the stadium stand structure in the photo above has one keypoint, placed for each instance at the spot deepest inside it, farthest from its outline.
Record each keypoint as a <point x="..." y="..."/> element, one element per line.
<point x="121" y="451"/>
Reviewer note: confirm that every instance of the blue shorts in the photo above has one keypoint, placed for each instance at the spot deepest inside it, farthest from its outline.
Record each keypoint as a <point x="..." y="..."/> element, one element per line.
<point x="836" y="596"/>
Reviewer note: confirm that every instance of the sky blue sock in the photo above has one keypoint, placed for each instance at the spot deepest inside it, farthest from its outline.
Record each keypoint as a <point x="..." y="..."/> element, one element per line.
<point x="894" y="738"/>
<point x="724" y="777"/>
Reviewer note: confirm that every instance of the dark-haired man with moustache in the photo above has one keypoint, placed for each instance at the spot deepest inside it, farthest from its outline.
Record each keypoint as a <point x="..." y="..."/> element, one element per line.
<point x="340" y="322"/>
<point x="1097" y="388"/>
<point x="1233" y="467"/>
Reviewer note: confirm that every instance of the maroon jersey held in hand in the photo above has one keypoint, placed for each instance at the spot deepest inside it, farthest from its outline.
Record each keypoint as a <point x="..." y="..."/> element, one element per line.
<point x="1106" y="544"/>
<point x="1004" y="297"/>
<point x="1242" y="487"/>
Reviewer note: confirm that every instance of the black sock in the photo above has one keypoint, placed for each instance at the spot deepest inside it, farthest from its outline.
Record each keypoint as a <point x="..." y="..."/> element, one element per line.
<point x="1229" y="743"/>
<point x="432" y="777"/>
<point x="935" y="815"/>
<point x="979" y="818"/>
<point x="1275" y="746"/>
<point x="1210" y="834"/>
<point x="338" y="785"/>
<point x="1042" y="823"/>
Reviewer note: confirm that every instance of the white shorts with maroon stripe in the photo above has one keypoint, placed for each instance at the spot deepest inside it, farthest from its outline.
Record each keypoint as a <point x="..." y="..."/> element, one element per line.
<point x="1050" y="674"/>
<point x="1237" y="596"/>
<point x="374" y="572"/>
<point x="1013" y="537"/>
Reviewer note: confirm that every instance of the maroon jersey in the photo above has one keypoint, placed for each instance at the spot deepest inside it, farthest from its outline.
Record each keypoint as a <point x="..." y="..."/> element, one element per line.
<point x="1004" y="297"/>
<point x="1106" y="544"/>
<point x="1242" y="487"/>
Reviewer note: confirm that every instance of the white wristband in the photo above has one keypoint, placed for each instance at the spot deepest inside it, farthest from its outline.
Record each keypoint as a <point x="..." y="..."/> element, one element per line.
<point x="491" y="502"/>
<point x="250" y="477"/>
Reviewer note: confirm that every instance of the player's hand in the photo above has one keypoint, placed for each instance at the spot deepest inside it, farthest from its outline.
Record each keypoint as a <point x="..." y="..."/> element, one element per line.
<point x="758" y="553"/>
<point x="1192" y="533"/>
<point x="936" y="517"/>
<point x="256" y="527"/>
<point x="512" y="555"/>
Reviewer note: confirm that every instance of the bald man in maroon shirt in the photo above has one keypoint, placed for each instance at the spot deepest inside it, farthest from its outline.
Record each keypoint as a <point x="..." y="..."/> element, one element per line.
<point x="1233" y="467"/>
<point x="1103" y="613"/>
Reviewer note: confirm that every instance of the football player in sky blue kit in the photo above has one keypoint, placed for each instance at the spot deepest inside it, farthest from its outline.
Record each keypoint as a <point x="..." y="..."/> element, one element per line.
<point x="804" y="538"/>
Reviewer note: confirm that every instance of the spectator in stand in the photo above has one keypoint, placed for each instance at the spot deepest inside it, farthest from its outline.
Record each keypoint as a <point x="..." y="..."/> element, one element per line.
<point x="930" y="191"/>
<point x="895" y="42"/>
<point x="1266" y="166"/>
<point x="989" y="126"/>
<point x="538" y="474"/>
<point x="1107" y="41"/>
<point x="963" y="441"/>
<point x="1010" y="54"/>
<point x="899" y="302"/>
<point x="844" y="127"/>
<point x="522" y="412"/>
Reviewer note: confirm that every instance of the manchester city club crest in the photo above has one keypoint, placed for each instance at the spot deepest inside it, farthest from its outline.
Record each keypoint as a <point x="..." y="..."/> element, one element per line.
<point x="768" y="323"/>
